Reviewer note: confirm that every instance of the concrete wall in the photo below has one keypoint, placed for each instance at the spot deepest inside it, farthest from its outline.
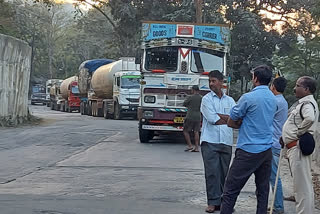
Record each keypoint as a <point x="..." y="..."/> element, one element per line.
<point x="15" y="62"/>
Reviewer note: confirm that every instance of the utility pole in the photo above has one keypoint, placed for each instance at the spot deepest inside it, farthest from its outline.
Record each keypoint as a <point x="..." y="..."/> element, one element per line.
<point x="198" y="5"/>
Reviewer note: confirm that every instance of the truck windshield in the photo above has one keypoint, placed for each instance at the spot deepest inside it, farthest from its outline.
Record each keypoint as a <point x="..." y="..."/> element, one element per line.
<point x="162" y="58"/>
<point x="206" y="60"/>
<point x="130" y="82"/>
<point x="38" y="89"/>
<point x="75" y="90"/>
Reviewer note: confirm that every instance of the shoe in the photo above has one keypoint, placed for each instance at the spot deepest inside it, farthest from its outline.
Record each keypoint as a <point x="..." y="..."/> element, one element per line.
<point x="275" y="211"/>
<point x="212" y="208"/>
<point x="289" y="198"/>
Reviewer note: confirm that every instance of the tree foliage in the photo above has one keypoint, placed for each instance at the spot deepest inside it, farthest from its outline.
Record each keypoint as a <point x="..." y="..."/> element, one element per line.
<point x="111" y="29"/>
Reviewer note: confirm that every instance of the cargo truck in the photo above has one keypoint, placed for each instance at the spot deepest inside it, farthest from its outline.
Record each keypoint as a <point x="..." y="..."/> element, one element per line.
<point x="38" y="94"/>
<point x="116" y="88"/>
<point x="176" y="56"/>
<point x="70" y="95"/>
<point x="86" y="69"/>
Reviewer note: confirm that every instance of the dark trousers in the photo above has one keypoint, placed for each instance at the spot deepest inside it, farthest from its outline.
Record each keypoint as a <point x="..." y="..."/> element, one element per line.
<point x="243" y="166"/>
<point x="216" y="159"/>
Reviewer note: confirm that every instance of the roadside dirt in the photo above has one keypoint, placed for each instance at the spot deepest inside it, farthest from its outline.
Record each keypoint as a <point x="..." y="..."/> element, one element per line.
<point x="316" y="186"/>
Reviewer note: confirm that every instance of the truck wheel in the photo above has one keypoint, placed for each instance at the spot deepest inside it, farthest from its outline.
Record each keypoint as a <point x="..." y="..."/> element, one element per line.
<point x="100" y="112"/>
<point x="93" y="109"/>
<point x="85" y="108"/>
<point x="89" y="109"/>
<point x="51" y="106"/>
<point x="145" y="135"/>
<point x="48" y="104"/>
<point x="106" y="113"/>
<point x="81" y="108"/>
<point x="117" y="114"/>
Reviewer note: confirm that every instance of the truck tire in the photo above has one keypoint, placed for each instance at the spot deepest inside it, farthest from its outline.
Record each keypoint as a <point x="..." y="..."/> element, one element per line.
<point x="145" y="135"/>
<point x="106" y="113"/>
<point x="51" y="106"/>
<point x="81" y="108"/>
<point x="116" y="113"/>
<point x="89" y="109"/>
<point x="93" y="109"/>
<point x="100" y="112"/>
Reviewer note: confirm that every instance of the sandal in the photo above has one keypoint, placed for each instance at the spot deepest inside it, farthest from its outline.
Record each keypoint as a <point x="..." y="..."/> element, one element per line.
<point x="194" y="150"/>
<point x="188" y="149"/>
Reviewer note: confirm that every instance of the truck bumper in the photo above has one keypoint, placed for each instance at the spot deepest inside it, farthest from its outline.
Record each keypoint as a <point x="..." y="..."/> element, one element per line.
<point x="38" y="101"/>
<point x="128" y="109"/>
<point x="163" y="128"/>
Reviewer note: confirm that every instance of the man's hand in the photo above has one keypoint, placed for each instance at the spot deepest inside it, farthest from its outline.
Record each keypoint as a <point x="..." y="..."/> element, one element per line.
<point x="281" y="142"/>
<point x="234" y="123"/>
<point x="223" y="119"/>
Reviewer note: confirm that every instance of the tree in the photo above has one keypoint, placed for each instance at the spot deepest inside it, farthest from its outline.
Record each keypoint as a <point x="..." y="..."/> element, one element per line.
<point x="7" y="24"/>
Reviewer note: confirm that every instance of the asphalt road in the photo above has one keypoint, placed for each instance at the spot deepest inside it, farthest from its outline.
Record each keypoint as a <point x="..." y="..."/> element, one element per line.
<point x="73" y="164"/>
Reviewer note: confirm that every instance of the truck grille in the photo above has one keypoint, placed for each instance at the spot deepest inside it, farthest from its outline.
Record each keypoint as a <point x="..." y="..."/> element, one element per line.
<point x="133" y="100"/>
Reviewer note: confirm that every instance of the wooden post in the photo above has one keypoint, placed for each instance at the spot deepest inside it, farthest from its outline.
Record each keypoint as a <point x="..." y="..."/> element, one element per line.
<point x="198" y="5"/>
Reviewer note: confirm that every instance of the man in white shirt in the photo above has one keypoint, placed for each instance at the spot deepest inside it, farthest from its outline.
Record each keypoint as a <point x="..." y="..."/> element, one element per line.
<point x="216" y="139"/>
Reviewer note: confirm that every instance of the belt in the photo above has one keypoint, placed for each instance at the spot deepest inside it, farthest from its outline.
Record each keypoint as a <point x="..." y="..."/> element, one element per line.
<point x="291" y="144"/>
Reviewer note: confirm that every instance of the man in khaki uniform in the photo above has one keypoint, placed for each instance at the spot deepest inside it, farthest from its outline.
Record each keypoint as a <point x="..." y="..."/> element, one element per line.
<point x="302" y="118"/>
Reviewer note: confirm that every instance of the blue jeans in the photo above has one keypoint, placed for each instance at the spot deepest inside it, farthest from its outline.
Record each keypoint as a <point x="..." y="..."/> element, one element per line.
<point x="278" y="202"/>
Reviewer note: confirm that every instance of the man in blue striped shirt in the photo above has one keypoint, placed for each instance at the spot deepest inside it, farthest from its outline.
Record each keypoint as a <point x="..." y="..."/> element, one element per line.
<point x="253" y="114"/>
<point x="277" y="87"/>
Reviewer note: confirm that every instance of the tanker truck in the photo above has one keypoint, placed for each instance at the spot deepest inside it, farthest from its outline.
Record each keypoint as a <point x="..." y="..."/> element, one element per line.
<point x="70" y="95"/>
<point x="55" y="96"/>
<point x="50" y="83"/>
<point x="86" y="69"/>
<point x="116" y="89"/>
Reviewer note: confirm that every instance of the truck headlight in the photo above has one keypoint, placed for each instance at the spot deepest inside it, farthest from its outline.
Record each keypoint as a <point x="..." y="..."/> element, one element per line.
<point x="149" y="99"/>
<point x="148" y="114"/>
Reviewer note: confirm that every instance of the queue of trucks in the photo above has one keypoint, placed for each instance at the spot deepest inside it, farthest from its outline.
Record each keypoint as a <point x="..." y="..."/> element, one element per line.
<point x="175" y="57"/>
<point x="103" y="88"/>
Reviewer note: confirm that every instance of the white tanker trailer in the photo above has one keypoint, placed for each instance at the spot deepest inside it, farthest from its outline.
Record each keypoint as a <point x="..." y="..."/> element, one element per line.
<point x="116" y="89"/>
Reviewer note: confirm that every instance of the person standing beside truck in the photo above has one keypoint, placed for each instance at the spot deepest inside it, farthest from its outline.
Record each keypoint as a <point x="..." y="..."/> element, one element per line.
<point x="277" y="87"/>
<point x="302" y="122"/>
<point x="253" y="155"/>
<point x="216" y="139"/>
<point x="193" y="119"/>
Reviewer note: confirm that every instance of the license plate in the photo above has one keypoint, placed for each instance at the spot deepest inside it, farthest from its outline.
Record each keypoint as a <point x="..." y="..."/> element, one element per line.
<point x="178" y="120"/>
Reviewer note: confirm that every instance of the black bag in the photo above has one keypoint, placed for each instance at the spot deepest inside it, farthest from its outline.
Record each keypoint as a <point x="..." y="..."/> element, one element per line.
<point x="306" y="141"/>
<point x="307" y="144"/>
